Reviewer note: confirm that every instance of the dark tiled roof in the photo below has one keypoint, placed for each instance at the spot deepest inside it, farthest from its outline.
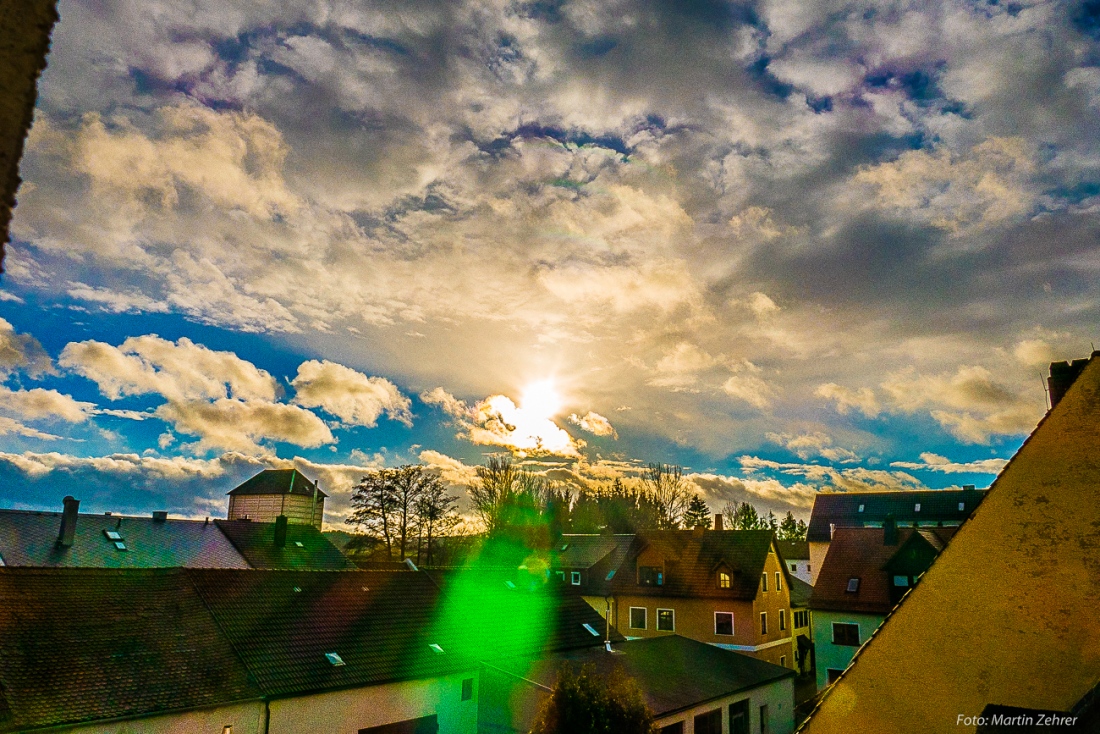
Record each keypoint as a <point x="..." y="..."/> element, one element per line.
<point x="842" y="508"/>
<point x="30" y="539"/>
<point x="860" y="553"/>
<point x="584" y="551"/>
<point x="256" y="542"/>
<point x="800" y="592"/>
<point x="692" y="560"/>
<point x="794" y="550"/>
<point x="673" y="672"/>
<point x="278" y="481"/>
<point x="84" y="644"/>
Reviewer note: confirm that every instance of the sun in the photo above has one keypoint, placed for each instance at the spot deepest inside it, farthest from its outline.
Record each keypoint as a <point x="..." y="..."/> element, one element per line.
<point x="541" y="400"/>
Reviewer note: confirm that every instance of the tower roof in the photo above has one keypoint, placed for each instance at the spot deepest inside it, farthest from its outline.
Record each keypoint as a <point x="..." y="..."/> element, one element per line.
<point x="278" y="481"/>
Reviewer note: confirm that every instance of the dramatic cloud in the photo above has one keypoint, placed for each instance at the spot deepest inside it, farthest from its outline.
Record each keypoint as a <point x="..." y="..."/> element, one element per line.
<point x="178" y="371"/>
<point x="808" y="445"/>
<point x="351" y="396"/>
<point x="847" y="399"/>
<point x="594" y="423"/>
<point x="240" y="425"/>
<point x="39" y="404"/>
<point x="934" y="462"/>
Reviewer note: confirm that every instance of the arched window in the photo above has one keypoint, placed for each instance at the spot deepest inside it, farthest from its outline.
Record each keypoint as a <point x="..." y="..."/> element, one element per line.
<point x="723" y="580"/>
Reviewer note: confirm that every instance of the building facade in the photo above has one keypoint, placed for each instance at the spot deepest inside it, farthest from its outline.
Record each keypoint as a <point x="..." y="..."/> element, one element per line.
<point x="275" y="492"/>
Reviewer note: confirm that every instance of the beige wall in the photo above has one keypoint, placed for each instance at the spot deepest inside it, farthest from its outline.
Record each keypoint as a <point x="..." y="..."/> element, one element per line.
<point x="817" y="556"/>
<point x="245" y="718"/>
<point x="346" y="712"/>
<point x="778" y="696"/>
<point x="266" y="507"/>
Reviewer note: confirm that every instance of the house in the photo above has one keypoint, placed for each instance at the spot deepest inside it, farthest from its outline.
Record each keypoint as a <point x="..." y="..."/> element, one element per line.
<point x="802" y="624"/>
<point x="272" y="652"/>
<point x="70" y="539"/>
<point x="1001" y="624"/>
<point x="864" y="576"/>
<point x="691" y="687"/>
<point x="916" y="508"/>
<point x="728" y="588"/>
<point x="796" y="554"/>
<point x="275" y="492"/>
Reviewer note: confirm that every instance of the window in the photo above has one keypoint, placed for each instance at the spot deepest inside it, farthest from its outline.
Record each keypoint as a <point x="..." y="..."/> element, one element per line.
<point x="831" y="675"/>
<point x="901" y="581"/>
<point x="575" y="578"/>
<point x="764" y="719"/>
<point x="782" y="661"/>
<point x="853" y="585"/>
<point x="677" y="728"/>
<point x="650" y="576"/>
<point x="467" y="689"/>
<point x="846" y="634"/>
<point x="962" y="506"/>
<point x="723" y="580"/>
<point x="801" y="619"/>
<point x="764" y="581"/>
<point x="794" y="568"/>
<point x="666" y="620"/>
<point x="782" y="619"/>
<point x="709" y="723"/>
<point x="916" y="507"/>
<point x="778" y="581"/>
<point x="739" y="717"/>
<point x="723" y="623"/>
<point x="861" y="508"/>
<point x="561" y="575"/>
<point x="637" y="618"/>
<point x="112" y="535"/>
<point x="763" y="623"/>
<point x="591" y="630"/>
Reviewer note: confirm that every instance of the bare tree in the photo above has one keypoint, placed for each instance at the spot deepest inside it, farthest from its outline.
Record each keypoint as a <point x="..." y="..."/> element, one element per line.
<point x="388" y="503"/>
<point x="436" y="515"/>
<point x="665" y="482"/>
<point x="505" y="495"/>
<point x="373" y="504"/>
<point x="492" y="489"/>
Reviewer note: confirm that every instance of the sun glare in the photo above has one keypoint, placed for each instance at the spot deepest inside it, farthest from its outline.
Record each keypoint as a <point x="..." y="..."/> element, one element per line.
<point x="541" y="399"/>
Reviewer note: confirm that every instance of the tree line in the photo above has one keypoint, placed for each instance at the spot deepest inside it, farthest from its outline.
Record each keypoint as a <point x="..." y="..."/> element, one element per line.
<point x="408" y="511"/>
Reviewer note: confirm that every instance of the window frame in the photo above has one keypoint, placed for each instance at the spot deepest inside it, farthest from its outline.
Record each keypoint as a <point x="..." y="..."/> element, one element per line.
<point x="854" y="625"/>
<point x="763" y="623"/>
<point x="672" y="612"/>
<point x="467" y="689"/>
<point x="707" y="717"/>
<point x="764" y="582"/>
<point x="724" y="576"/>
<point x="733" y="625"/>
<point x="779" y="581"/>
<point x="575" y="578"/>
<point x="645" y="618"/>
<point x="853" y="585"/>
<point x="783" y="661"/>
<point x="782" y="620"/>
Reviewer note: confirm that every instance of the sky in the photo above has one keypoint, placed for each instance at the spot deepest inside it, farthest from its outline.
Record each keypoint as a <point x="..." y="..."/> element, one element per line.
<point x="789" y="245"/>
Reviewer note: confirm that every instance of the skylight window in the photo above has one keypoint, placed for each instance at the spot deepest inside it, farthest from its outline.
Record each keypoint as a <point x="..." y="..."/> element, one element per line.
<point x="591" y="629"/>
<point x="297" y="588"/>
<point x="564" y="546"/>
<point x="335" y="659"/>
<point x="861" y="508"/>
<point x="120" y="545"/>
<point x="509" y="584"/>
<point x="610" y="575"/>
<point x="916" y="507"/>
<point x="299" y="544"/>
<point x="853" y="585"/>
<point x="962" y="506"/>
<point x="436" y="649"/>
<point x="112" y="535"/>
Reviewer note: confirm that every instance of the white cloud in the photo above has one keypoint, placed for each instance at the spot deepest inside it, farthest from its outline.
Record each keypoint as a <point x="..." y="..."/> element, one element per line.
<point x="38" y="404"/>
<point x="241" y="425"/>
<point x="453" y="471"/>
<point x="937" y="463"/>
<point x="351" y="396"/>
<point x="862" y="399"/>
<point x="594" y="423"/>
<point x="746" y="384"/>
<point x="12" y="426"/>
<point x="117" y="301"/>
<point x="853" y="479"/>
<point x="22" y="352"/>
<point x="180" y="370"/>
<point x="172" y="468"/>
<point x="807" y="445"/>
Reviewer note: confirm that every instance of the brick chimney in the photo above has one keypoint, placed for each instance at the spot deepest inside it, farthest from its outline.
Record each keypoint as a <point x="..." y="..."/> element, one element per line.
<point x="68" y="522"/>
<point x="280" y="531"/>
<point x="718" y="521"/>
<point x="1062" y="377"/>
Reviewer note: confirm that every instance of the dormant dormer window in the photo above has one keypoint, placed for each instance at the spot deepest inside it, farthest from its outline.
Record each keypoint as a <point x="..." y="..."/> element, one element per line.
<point x="651" y="576"/>
<point x="723" y="580"/>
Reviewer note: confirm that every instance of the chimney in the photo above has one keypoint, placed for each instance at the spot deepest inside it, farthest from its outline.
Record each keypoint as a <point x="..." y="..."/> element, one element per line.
<point x="718" y="521"/>
<point x="68" y="522"/>
<point x="280" y="531"/>
<point x="889" y="531"/>
<point x="1062" y="376"/>
<point x="160" y="516"/>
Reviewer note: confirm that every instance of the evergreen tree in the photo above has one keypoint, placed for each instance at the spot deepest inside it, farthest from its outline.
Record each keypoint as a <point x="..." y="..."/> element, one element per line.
<point x="745" y="517"/>
<point x="585" y="703"/>
<point x="697" y="514"/>
<point x="791" y="529"/>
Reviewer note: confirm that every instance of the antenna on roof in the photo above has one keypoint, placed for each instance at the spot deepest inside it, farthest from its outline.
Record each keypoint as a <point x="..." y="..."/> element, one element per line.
<point x="1046" y="391"/>
<point x="313" y="504"/>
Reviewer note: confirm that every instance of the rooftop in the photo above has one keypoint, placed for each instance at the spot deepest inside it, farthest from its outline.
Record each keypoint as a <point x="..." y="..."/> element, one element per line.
<point x="306" y="547"/>
<point x="856" y="509"/>
<point x="278" y="481"/>
<point x="30" y="539"/>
